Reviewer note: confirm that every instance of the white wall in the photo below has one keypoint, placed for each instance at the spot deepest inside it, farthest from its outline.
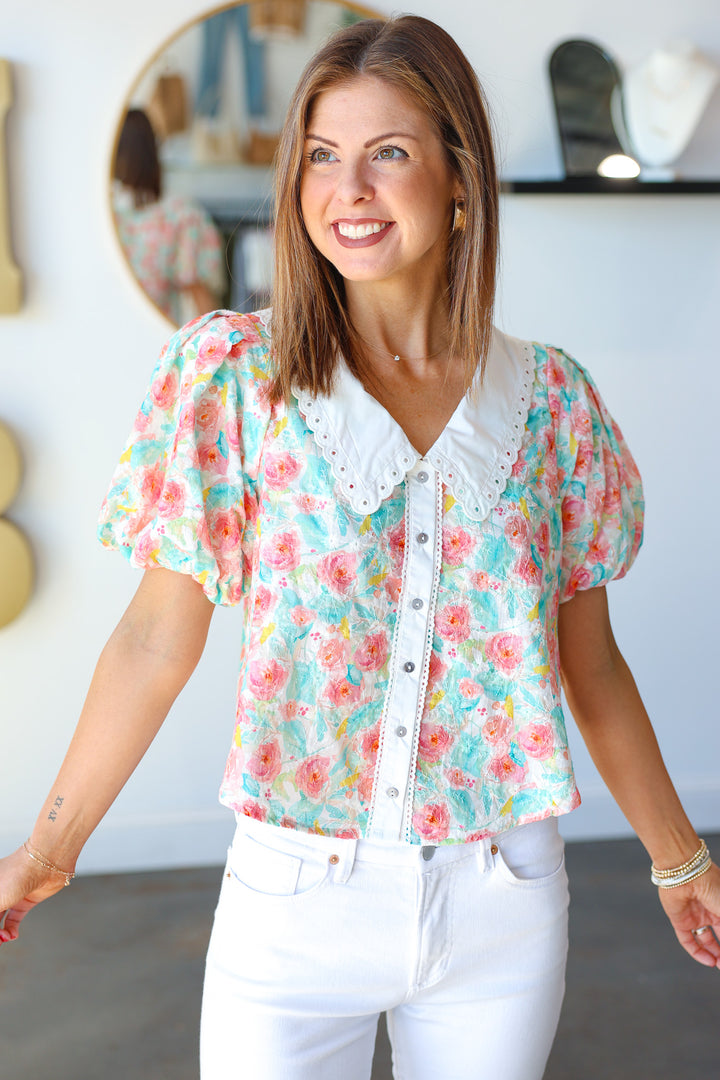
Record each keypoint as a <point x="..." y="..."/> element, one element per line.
<point x="627" y="285"/>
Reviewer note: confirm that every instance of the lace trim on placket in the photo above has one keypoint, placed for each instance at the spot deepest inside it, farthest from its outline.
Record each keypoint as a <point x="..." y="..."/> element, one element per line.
<point x="389" y="693"/>
<point x="420" y="707"/>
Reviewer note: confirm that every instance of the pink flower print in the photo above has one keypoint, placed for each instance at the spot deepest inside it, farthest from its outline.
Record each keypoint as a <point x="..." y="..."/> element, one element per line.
<point x="211" y="460"/>
<point x="456" y="546"/>
<point x="541" y="540"/>
<point x="583" y="459"/>
<point x="287" y="822"/>
<point x="265" y="678"/>
<point x="264" y="600"/>
<point x="208" y="417"/>
<point x="455" y="777"/>
<point x="599" y="550"/>
<point x="254" y="810"/>
<point x="144" y="548"/>
<point x="282" y="551"/>
<point x="580" y="421"/>
<point x="506" y="770"/>
<point x="342" y="692"/>
<point x="537" y="740"/>
<point x="516" y="530"/>
<point x="392" y="587"/>
<point x="332" y="653"/>
<point x="212" y="350"/>
<point x="164" y="389"/>
<point x="172" y="501"/>
<point x="264" y="764"/>
<point x="348" y="834"/>
<point x="580" y="578"/>
<point x="469" y="689"/>
<point x="480" y="581"/>
<point x="365" y="785"/>
<point x="289" y="710"/>
<point x="301" y="616"/>
<point x="434" y="742"/>
<point x="225" y="531"/>
<point x="370" y="743"/>
<point x="436" y="669"/>
<point x="453" y="622"/>
<point x="281" y="470"/>
<point x="432" y="821"/>
<point x="337" y="571"/>
<point x="497" y="729"/>
<point x="555" y="374"/>
<point x="527" y="570"/>
<point x="396" y="542"/>
<point x="305" y="503"/>
<point x="151" y="484"/>
<point x="504" y="651"/>
<point x="312" y="776"/>
<point x="371" y="654"/>
<point x="573" y="512"/>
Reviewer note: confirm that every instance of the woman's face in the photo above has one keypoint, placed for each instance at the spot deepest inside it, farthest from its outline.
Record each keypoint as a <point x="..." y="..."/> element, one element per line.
<point x="377" y="191"/>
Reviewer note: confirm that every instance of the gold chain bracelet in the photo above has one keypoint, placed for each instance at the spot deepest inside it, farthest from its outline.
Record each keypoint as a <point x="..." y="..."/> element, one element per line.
<point x="38" y="857"/>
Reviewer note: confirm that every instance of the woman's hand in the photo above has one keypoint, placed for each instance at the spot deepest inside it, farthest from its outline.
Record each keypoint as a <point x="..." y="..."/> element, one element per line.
<point x="696" y="906"/>
<point x="23" y="884"/>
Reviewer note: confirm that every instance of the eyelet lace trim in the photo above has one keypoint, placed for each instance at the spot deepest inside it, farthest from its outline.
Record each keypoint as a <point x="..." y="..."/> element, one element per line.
<point x="364" y="493"/>
<point x="476" y="476"/>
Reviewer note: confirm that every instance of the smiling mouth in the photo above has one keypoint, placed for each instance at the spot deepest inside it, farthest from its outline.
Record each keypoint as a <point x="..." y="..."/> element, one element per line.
<point x="361" y="233"/>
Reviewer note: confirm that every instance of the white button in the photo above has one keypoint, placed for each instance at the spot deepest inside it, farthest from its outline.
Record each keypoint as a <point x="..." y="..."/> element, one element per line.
<point x="408" y="666"/>
<point x="401" y="731"/>
<point x="422" y="477"/>
<point x="417" y="603"/>
<point x="393" y="792"/>
<point x="422" y="538"/>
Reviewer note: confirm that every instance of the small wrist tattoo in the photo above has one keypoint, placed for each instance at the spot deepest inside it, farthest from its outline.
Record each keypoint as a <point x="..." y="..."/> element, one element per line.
<point x="52" y="816"/>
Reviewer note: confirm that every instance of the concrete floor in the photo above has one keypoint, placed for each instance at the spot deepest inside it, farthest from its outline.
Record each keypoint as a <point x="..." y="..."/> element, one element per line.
<point x="106" y="981"/>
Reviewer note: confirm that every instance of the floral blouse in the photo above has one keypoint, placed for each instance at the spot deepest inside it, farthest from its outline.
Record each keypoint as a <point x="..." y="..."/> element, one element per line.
<point x="170" y="244"/>
<point x="399" y="670"/>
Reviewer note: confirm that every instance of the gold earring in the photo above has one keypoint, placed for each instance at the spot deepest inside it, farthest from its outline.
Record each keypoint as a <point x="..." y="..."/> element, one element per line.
<point x="459" y="216"/>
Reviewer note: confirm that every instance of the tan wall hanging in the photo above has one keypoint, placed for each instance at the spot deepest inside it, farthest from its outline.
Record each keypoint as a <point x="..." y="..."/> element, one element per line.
<point x="10" y="276"/>
<point x="16" y="561"/>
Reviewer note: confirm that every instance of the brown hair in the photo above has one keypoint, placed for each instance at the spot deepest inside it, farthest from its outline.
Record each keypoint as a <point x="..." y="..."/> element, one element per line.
<point x="310" y="325"/>
<point x="136" y="160"/>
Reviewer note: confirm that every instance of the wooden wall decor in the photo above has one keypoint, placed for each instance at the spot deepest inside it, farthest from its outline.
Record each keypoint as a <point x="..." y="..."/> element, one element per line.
<point x="11" y="285"/>
<point x="16" y="561"/>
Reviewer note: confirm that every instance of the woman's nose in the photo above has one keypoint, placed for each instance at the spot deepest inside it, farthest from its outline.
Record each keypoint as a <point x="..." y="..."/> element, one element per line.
<point x="354" y="184"/>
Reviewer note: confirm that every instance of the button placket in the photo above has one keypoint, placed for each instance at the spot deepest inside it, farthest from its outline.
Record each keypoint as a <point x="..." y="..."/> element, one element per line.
<point x="393" y="779"/>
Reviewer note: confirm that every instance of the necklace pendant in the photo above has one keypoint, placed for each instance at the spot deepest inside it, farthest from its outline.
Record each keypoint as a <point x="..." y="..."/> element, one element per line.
<point x="396" y="359"/>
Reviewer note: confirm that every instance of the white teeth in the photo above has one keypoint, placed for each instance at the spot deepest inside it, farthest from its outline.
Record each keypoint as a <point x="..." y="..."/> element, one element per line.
<point x="359" y="232"/>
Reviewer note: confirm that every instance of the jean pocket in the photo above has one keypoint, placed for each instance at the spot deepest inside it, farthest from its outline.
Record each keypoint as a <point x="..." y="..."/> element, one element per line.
<point x="271" y="872"/>
<point x="530" y="882"/>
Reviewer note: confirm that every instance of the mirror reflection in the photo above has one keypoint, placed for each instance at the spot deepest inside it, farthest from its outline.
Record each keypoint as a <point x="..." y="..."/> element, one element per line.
<point x="192" y="166"/>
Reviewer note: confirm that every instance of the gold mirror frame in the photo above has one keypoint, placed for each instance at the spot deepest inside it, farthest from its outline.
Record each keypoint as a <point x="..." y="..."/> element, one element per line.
<point x="16" y="561"/>
<point x="11" y="285"/>
<point x="257" y="213"/>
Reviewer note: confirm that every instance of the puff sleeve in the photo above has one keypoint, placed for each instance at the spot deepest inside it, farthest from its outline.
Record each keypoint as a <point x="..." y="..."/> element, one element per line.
<point x="600" y="487"/>
<point x="178" y="496"/>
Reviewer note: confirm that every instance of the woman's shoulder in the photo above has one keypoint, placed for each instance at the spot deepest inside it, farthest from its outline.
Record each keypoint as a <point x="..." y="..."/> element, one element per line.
<point x="222" y="342"/>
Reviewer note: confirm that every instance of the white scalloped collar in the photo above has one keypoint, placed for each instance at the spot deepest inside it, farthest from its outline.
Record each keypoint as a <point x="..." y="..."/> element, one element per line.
<point x="370" y="453"/>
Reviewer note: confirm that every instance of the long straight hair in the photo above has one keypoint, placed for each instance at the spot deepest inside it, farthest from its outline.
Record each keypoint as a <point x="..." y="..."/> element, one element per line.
<point x="310" y="324"/>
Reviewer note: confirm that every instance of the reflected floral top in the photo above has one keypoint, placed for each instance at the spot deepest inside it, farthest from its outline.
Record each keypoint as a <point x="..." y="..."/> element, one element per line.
<point x="399" y="671"/>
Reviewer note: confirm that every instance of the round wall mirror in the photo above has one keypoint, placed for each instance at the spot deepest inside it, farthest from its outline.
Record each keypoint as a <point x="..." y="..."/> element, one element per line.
<point x="191" y="172"/>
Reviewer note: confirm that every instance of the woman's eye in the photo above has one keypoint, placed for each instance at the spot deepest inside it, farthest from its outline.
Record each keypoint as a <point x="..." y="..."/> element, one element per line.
<point x="390" y="153"/>
<point x="319" y="156"/>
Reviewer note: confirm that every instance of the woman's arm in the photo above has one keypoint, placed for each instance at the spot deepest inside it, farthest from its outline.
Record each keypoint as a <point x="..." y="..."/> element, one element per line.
<point x="147" y="661"/>
<point x="612" y="720"/>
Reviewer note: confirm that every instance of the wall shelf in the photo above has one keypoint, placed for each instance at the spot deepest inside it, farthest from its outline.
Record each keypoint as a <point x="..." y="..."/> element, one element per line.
<point x="599" y="186"/>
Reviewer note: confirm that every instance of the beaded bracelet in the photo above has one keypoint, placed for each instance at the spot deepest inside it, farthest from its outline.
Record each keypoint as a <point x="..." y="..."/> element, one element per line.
<point x="699" y="864"/>
<point x="38" y="857"/>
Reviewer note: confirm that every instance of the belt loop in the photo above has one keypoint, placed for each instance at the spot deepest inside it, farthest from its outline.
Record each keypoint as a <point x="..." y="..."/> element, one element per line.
<point x="348" y="848"/>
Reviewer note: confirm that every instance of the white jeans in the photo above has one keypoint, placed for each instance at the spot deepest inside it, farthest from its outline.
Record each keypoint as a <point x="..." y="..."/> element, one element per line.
<point x="462" y="945"/>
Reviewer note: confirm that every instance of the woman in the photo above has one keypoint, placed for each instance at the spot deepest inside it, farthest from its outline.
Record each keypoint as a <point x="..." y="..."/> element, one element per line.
<point x="172" y="245"/>
<point x="400" y="496"/>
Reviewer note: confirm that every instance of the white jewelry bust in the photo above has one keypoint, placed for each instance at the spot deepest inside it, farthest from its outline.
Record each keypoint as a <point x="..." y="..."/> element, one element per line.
<point x="663" y="100"/>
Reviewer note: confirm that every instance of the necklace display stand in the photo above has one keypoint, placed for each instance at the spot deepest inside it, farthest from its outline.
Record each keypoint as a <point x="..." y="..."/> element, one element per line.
<point x="662" y="102"/>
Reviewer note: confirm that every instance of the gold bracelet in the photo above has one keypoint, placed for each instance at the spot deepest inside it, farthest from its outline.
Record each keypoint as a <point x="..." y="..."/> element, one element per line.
<point x="38" y="857"/>
<point x="677" y="871"/>
<point x="690" y="877"/>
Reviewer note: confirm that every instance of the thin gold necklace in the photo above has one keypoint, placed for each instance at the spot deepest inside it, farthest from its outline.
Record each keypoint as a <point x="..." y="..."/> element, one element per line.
<point x="396" y="356"/>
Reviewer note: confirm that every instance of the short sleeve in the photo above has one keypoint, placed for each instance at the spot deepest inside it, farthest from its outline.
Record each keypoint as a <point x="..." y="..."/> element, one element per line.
<point x="600" y="486"/>
<point x="178" y="495"/>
